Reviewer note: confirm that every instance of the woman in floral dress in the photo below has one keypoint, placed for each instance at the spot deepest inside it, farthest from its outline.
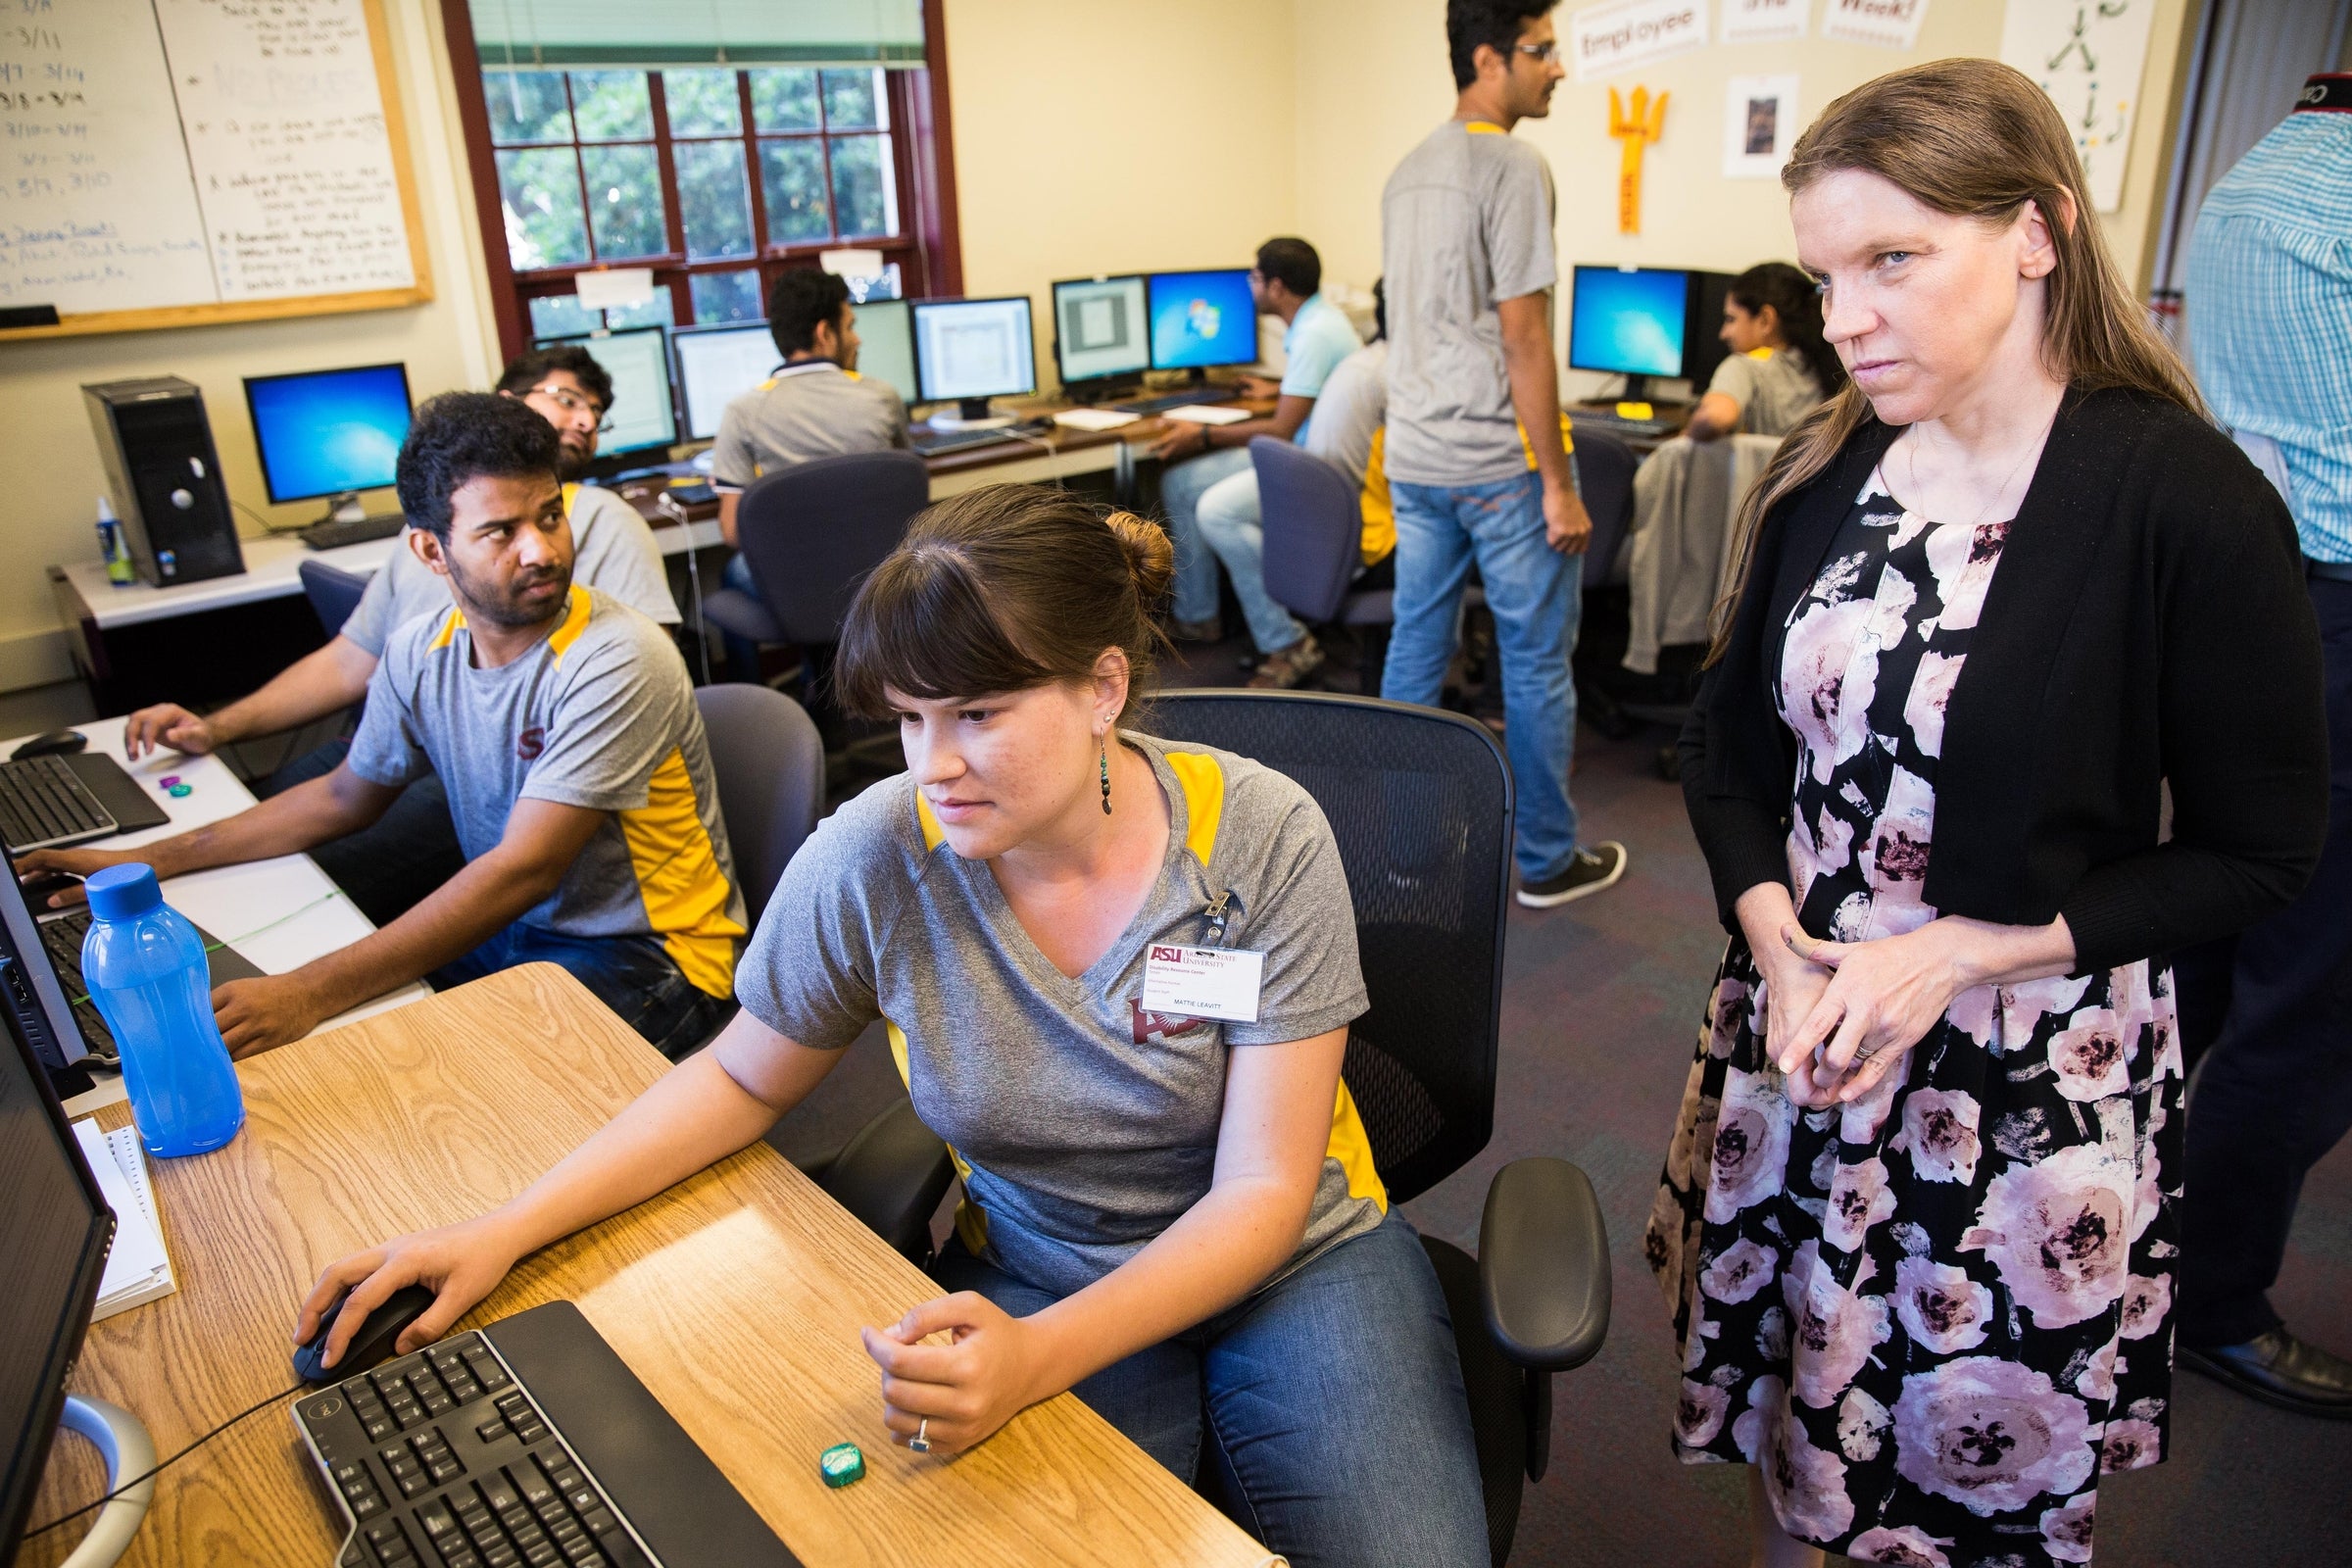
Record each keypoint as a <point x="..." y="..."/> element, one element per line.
<point x="1919" y="1221"/>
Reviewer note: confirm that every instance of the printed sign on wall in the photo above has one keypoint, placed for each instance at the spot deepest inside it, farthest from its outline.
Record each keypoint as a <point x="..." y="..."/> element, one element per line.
<point x="1888" y="24"/>
<point x="1759" y="127"/>
<point x="1764" y="20"/>
<point x="1610" y="40"/>
<point x="2088" y="57"/>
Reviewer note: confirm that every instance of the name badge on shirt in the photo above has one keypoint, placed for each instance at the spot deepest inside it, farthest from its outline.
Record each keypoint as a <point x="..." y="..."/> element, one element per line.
<point x="1202" y="982"/>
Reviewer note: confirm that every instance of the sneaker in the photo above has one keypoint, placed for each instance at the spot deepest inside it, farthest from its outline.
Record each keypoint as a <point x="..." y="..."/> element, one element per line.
<point x="1593" y="869"/>
<point x="1286" y="668"/>
<point x="1211" y="630"/>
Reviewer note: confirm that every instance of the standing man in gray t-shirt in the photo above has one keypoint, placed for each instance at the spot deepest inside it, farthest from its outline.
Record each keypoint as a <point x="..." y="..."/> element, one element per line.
<point x="1475" y="458"/>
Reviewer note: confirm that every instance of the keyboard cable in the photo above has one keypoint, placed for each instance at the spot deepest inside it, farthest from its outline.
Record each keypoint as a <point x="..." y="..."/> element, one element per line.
<point x="165" y="1465"/>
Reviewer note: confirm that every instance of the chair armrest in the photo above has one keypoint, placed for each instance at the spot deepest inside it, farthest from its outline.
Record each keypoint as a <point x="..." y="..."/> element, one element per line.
<point x="891" y="1176"/>
<point x="1544" y="1265"/>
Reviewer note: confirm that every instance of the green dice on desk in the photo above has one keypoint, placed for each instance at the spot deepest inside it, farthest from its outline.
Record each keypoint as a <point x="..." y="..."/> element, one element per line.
<point x="840" y="1465"/>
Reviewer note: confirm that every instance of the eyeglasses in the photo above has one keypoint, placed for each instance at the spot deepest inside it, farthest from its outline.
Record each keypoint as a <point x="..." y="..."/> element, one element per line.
<point x="1546" y="52"/>
<point x="571" y="402"/>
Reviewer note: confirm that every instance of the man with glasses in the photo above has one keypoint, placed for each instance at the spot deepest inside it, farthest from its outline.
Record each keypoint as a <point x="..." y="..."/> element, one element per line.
<point x="413" y="850"/>
<point x="1210" y="489"/>
<point x="1477" y="465"/>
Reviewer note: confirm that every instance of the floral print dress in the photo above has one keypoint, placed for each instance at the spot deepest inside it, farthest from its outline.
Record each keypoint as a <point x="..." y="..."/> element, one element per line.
<point x="1937" y="1316"/>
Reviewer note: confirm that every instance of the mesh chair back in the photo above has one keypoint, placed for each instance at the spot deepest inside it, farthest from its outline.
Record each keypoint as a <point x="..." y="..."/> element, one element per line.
<point x="1604" y="480"/>
<point x="812" y="532"/>
<point x="770" y="769"/>
<point x="1420" y="802"/>
<point x="333" y="593"/>
<point x="1314" y="528"/>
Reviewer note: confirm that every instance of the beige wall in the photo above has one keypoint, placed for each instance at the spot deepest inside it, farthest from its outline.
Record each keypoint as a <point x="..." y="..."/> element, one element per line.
<point x="54" y="478"/>
<point x="1118" y="136"/>
<point x="1373" y="80"/>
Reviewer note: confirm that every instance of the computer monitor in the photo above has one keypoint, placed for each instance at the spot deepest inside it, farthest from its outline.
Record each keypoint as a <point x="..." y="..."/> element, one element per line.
<point x="886" y="345"/>
<point x="1642" y="322"/>
<point x="29" y="981"/>
<point x="1100" y="330"/>
<point x="968" y="351"/>
<point x="644" y="416"/>
<point x="718" y="365"/>
<point x="329" y="433"/>
<point x="1200" y="320"/>
<point x="54" y="1232"/>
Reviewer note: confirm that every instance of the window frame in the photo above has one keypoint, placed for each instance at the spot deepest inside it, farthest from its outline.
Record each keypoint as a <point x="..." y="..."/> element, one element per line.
<point x="928" y="247"/>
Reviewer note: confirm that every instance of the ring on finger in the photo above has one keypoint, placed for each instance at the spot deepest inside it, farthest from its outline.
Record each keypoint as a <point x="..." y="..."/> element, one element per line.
<point x="921" y="1442"/>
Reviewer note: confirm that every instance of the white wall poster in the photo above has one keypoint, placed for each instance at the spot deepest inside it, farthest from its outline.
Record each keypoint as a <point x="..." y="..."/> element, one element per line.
<point x="1759" y="127"/>
<point x="1609" y="40"/>
<point x="1888" y="24"/>
<point x="1764" y="20"/>
<point x="2088" y="57"/>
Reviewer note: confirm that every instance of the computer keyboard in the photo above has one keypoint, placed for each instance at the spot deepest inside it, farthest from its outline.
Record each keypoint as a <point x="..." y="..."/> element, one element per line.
<point x="441" y="1460"/>
<point x="43" y="803"/>
<point x="930" y="443"/>
<point x="1176" y="400"/>
<point x="336" y="532"/>
<point x="61" y="939"/>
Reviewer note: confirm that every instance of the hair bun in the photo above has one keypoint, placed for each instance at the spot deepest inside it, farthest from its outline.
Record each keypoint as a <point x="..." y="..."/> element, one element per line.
<point x="1151" y="556"/>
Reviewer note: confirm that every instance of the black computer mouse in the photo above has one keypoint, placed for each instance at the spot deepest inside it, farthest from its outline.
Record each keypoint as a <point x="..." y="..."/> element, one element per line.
<point x="56" y="743"/>
<point x="372" y="1344"/>
<point x="40" y="886"/>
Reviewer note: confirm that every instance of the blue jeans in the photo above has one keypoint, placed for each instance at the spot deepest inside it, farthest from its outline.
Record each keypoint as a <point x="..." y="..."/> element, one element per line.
<point x="631" y="975"/>
<point x="1181" y="487"/>
<point x="1535" y="595"/>
<point x="389" y="868"/>
<point x="1331" y="1403"/>
<point x="743" y="653"/>
<point x="1231" y="526"/>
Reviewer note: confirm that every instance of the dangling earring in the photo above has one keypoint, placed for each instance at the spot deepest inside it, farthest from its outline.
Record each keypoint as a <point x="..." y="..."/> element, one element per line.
<point x="1107" y="777"/>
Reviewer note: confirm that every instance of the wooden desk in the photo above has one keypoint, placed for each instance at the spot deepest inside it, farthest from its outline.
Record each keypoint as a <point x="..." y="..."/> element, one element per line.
<point x="735" y="1297"/>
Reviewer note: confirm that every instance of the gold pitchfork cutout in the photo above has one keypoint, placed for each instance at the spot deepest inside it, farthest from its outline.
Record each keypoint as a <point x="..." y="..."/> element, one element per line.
<point x="1636" y="130"/>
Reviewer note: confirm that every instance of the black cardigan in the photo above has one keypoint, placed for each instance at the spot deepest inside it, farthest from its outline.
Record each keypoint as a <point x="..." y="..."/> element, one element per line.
<point x="2147" y="622"/>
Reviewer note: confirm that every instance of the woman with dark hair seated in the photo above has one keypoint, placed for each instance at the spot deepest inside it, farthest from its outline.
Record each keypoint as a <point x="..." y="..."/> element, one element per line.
<point x="1175" y="1217"/>
<point x="1779" y="369"/>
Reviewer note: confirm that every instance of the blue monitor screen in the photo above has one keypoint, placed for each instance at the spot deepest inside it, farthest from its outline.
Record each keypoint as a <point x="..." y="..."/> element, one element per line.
<point x="1201" y="318"/>
<point x="329" y="431"/>
<point x="1628" y="322"/>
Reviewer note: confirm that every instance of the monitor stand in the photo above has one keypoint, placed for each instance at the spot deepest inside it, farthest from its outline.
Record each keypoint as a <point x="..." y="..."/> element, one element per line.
<point x="342" y="507"/>
<point x="1637" y="389"/>
<point x="129" y="1453"/>
<point x="971" y="413"/>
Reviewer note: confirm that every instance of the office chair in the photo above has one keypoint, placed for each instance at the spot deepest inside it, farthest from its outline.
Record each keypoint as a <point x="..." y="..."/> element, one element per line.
<point x="333" y="593"/>
<point x="771" y="772"/>
<point x="1604" y="481"/>
<point x="1420" y="803"/>
<point x="1314" y="528"/>
<point x="809" y="534"/>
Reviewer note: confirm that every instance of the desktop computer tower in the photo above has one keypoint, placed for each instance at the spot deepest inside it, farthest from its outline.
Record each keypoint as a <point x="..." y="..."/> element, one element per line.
<point x="166" y="478"/>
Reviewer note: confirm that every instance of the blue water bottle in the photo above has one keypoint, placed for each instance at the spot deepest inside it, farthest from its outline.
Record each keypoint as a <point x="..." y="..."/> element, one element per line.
<point x="145" y="966"/>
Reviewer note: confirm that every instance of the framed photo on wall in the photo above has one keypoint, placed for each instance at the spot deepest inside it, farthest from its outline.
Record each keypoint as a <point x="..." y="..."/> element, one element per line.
<point x="1759" y="125"/>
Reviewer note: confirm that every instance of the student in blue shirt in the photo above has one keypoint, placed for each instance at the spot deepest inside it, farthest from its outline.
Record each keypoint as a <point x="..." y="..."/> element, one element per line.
<point x="1210" y="489"/>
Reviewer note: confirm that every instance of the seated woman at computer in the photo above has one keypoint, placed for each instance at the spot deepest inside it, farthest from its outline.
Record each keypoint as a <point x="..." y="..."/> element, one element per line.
<point x="390" y="867"/>
<point x="1779" y="369"/>
<point x="1175" y="1217"/>
<point x="563" y="726"/>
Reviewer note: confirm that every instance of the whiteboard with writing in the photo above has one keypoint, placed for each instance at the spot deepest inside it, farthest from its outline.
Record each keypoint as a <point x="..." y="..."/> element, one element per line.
<point x="165" y="161"/>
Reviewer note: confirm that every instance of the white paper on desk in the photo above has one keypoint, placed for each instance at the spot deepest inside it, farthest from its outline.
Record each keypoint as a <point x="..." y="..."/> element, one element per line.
<point x="1206" y="413"/>
<point x="613" y="288"/>
<point x="1094" y="419"/>
<point x="138" y="1268"/>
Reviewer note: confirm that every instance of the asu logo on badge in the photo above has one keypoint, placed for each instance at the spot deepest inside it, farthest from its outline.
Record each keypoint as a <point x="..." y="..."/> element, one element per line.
<point x="530" y="743"/>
